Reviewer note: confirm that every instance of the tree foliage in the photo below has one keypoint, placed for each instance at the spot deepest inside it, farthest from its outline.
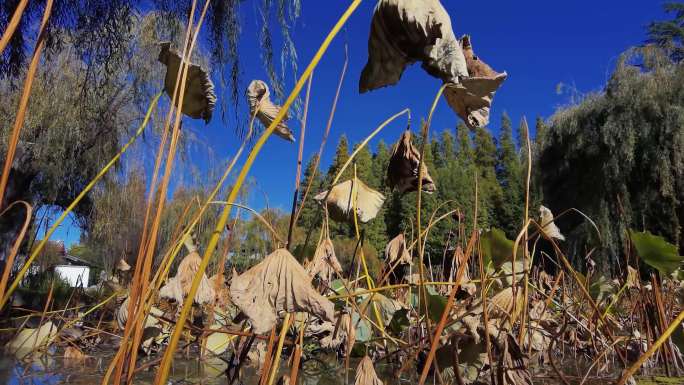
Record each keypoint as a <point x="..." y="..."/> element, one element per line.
<point x="669" y="34"/>
<point x="454" y="159"/>
<point x="617" y="156"/>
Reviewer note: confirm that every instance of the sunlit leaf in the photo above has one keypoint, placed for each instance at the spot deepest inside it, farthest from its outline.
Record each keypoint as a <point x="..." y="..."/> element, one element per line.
<point x="496" y="248"/>
<point x="656" y="251"/>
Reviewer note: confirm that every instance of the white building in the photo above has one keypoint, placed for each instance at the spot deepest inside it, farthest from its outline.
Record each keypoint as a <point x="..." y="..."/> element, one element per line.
<point x="76" y="276"/>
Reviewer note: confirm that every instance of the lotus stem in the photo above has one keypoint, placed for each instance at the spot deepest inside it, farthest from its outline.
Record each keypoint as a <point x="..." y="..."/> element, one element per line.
<point x="162" y="374"/>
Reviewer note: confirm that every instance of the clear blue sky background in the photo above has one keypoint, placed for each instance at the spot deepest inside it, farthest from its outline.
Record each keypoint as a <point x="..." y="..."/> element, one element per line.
<point x="539" y="43"/>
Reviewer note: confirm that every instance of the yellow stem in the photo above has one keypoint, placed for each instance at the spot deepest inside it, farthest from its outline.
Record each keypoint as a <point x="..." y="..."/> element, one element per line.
<point x="275" y="364"/>
<point x="73" y="204"/>
<point x="162" y="374"/>
<point x="661" y="340"/>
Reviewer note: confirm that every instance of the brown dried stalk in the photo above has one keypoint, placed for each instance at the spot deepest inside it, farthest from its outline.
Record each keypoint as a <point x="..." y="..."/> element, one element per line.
<point x="12" y="25"/>
<point x="26" y="93"/>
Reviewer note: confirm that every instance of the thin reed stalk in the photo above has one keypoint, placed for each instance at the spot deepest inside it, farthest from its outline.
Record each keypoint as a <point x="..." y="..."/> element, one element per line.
<point x="275" y="364"/>
<point x="526" y="259"/>
<point x="167" y="261"/>
<point x="9" y="262"/>
<point x="162" y="373"/>
<point x="425" y="132"/>
<point x="452" y="297"/>
<point x="150" y="243"/>
<point x="12" y="25"/>
<point x="260" y="217"/>
<point x="485" y="308"/>
<point x="25" y="94"/>
<point x="73" y="204"/>
<point x="300" y="154"/>
<point x="369" y="280"/>
<point x="325" y="134"/>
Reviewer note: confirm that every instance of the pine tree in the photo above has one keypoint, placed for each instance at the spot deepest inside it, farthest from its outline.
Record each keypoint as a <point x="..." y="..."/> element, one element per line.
<point x="461" y="176"/>
<point x="341" y="157"/>
<point x="310" y="216"/>
<point x="447" y="146"/>
<point x="364" y="169"/>
<point x="509" y="173"/>
<point x="379" y="167"/>
<point x="489" y="191"/>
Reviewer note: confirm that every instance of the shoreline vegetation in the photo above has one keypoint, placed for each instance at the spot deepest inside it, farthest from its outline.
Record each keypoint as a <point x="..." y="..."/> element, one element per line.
<point x="552" y="256"/>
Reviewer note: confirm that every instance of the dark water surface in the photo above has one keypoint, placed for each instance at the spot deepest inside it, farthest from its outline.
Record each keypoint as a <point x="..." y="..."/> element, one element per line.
<point x="57" y="370"/>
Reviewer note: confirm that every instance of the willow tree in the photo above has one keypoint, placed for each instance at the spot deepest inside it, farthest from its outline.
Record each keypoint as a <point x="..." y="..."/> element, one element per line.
<point x="618" y="157"/>
<point x="101" y="31"/>
<point x="76" y="122"/>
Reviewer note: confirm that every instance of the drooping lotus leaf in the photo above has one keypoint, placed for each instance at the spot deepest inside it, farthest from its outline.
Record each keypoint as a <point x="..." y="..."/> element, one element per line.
<point x="365" y="373"/>
<point x="404" y="32"/>
<point x="340" y="203"/>
<point x="199" y="98"/>
<point x="472" y="98"/>
<point x="277" y="284"/>
<point x="324" y="264"/>
<point x="656" y="252"/>
<point x="549" y="228"/>
<point x="402" y="170"/>
<point x="179" y="286"/>
<point x="259" y="99"/>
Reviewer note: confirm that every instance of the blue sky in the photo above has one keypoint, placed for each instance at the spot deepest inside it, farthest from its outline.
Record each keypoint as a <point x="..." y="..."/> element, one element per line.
<point x="539" y="43"/>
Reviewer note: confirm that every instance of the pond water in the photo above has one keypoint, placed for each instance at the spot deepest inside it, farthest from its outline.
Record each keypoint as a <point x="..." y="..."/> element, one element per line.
<point x="53" y="369"/>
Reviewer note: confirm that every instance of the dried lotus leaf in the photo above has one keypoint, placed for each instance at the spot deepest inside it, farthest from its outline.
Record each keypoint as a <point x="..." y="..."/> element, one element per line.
<point x="548" y="226"/>
<point x="324" y="263"/>
<point x="29" y="339"/>
<point x="221" y="290"/>
<point x="512" y="368"/>
<point x="199" y="98"/>
<point x="402" y="171"/>
<point x="340" y="203"/>
<point x="365" y="373"/>
<point x="122" y="265"/>
<point x="472" y="98"/>
<point x="259" y="99"/>
<point x="404" y="32"/>
<point x="396" y="250"/>
<point x="74" y="353"/>
<point x="277" y="284"/>
<point x="179" y="286"/>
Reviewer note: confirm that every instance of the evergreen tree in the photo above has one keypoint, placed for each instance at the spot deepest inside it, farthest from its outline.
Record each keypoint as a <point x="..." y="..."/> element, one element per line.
<point x="310" y="217"/>
<point x="447" y="146"/>
<point x="379" y="167"/>
<point x="461" y="176"/>
<point x="489" y="191"/>
<point x="376" y="230"/>
<point x="341" y="157"/>
<point x="364" y="168"/>
<point x="509" y="172"/>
